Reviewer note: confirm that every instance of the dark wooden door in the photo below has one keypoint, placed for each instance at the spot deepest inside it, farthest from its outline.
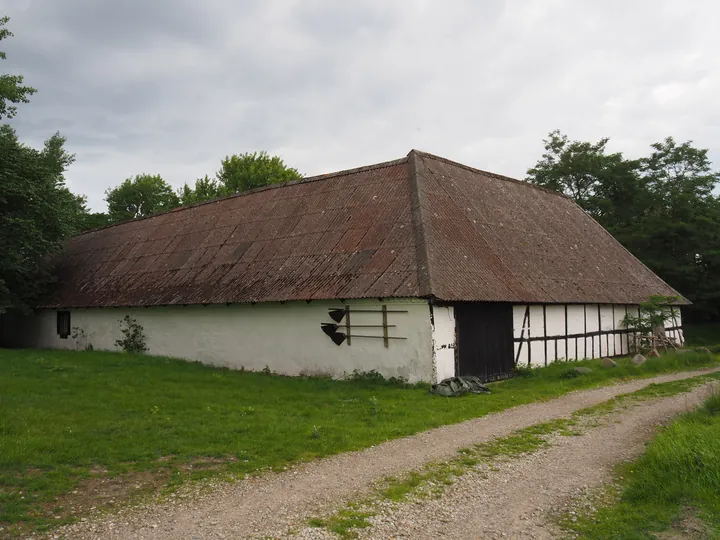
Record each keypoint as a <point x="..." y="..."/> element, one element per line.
<point x="485" y="340"/>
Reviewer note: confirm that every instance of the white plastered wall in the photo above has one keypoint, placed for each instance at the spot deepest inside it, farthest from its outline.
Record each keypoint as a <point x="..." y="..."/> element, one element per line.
<point x="550" y="323"/>
<point x="443" y="339"/>
<point x="285" y="337"/>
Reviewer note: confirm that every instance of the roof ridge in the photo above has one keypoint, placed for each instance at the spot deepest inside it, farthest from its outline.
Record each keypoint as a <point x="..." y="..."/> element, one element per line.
<point x="422" y="260"/>
<point x="305" y="180"/>
<point x="488" y="173"/>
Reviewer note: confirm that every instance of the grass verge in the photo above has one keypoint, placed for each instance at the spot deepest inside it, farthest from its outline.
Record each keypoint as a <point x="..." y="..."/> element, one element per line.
<point x="432" y="480"/>
<point x="671" y="491"/>
<point x="81" y="430"/>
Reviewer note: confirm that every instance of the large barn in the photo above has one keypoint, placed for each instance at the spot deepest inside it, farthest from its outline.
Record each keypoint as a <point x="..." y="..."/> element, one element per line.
<point x="420" y="268"/>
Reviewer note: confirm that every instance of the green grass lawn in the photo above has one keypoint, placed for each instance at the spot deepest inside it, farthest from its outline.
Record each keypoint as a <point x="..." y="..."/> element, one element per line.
<point x="81" y="429"/>
<point x="674" y="486"/>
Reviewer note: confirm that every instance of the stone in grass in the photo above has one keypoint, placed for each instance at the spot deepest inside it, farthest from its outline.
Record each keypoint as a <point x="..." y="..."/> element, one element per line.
<point x="638" y="360"/>
<point x="703" y="350"/>
<point x="581" y="370"/>
<point x="653" y="354"/>
<point x="608" y="362"/>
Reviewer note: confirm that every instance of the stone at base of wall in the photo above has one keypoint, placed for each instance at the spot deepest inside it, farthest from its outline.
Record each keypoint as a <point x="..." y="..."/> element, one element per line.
<point x="638" y="360"/>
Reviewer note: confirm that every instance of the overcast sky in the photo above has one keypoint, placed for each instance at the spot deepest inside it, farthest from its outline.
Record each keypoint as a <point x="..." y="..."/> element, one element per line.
<point x="172" y="86"/>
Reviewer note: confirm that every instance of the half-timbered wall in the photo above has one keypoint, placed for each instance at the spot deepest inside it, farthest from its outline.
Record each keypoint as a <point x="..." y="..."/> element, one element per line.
<point x="544" y="333"/>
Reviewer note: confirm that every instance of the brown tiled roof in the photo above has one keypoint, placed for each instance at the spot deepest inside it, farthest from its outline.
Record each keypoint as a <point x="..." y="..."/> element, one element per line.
<point x="487" y="237"/>
<point x="421" y="226"/>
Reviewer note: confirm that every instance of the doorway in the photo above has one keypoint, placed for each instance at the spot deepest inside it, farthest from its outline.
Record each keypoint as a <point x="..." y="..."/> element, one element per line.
<point x="484" y="340"/>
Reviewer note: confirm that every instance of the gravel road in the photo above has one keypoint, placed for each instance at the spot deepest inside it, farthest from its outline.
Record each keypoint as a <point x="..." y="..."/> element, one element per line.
<point x="516" y="498"/>
<point x="269" y="504"/>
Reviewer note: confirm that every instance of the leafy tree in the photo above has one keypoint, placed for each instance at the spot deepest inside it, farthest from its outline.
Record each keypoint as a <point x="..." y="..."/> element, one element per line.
<point x="141" y="196"/>
<point x="660" y="207"/>
<point x="673" y="171"/>
<point x="206" y="189"/>
<point x="243" y="172"/>
<point x="585" y="172"/>
<point x="11" y="88"/>
<point x="86" y="220"/>
<point x="37" y="212"/>
<point x="679" y="235"/>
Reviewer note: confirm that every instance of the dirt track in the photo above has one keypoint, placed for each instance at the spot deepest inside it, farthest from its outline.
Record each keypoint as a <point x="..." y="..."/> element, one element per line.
<point x="268" y="505"/>
<point x="515" y="498"/>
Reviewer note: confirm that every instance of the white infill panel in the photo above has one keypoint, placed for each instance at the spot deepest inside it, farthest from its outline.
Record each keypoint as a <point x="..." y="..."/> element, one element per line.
<point x="555" y="326"/>
<point x="521" y="331"/>
<point x="673" y="324"/>
<point x="622" y="338"/>
<point x="576" y="326"/>
<point x="537" y="326"/>
<point x="443" y="336"/>
<point x="607" y="341"/>
<point x="592" y="324"/>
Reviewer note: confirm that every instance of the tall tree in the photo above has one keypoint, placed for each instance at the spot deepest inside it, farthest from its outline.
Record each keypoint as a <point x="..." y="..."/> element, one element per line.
<point x="92" y="220"/>
<point x="141" y="196"/>
<point x="37" y="212"/>
<point x="206" y="189"/>
<point x="679" y="236"/>
<point x="674" y="171"/>
<point x="660" y="207"/>
<point x="12" y="90"/>
<point x="585" y="172"/>
<point x="606" y="185"/>
<point x="87" y="220"/>
<point x="242" y="172"/>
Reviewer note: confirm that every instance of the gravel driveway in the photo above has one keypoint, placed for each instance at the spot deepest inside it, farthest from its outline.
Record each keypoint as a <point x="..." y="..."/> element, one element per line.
<point x="516" y="498"/>
<point x="269" y="504"/>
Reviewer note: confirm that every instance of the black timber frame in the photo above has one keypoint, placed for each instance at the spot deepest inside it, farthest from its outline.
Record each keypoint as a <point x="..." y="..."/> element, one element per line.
<point x="674" y="330"/>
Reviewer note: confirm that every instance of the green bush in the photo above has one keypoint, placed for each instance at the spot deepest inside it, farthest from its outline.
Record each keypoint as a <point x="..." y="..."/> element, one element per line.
<point x="134" y="340"/>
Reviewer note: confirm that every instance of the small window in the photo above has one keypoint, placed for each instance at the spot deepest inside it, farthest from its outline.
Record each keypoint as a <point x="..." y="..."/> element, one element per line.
<point x="63" y="324"/>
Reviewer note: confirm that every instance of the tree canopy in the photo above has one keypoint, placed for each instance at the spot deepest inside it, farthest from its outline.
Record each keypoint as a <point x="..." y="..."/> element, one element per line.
<point x="239" y="173"/>
<point x="206" y="189"/>
<point x="87" y="220"/>
<point x="242" y="172"/>
<point x="37" y="212"/>
<point x="141" y="196"/>
<point x="149" y="194"/>
<point x="661" y="207"/>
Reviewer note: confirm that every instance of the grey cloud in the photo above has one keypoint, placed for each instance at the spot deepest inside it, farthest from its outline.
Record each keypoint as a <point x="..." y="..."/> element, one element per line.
<point x="173" y="86"/>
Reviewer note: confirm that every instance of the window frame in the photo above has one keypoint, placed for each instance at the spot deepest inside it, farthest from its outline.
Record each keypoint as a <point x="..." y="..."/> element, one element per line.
<point x="63" y="324"/>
